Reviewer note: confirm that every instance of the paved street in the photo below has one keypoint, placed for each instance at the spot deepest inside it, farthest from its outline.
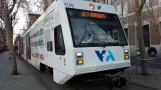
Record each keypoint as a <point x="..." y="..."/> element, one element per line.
<point x="32" y="79"/>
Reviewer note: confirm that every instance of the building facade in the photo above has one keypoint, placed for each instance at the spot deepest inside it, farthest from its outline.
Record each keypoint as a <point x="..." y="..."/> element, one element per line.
<point x="47" y="3"/>
<point x="151" y="19"/>
<point x="32" y="19"/>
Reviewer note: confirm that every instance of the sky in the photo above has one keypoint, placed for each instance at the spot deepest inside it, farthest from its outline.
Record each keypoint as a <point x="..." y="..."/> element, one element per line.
<point x="22" y="15"/>
<point x="21" y="22"/>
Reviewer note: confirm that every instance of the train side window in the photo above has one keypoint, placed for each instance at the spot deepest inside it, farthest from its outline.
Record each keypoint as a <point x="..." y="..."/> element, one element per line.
<point x="59" y="41"/>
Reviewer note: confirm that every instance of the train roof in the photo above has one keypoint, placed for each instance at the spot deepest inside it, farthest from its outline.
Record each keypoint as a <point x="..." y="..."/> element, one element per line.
<point x="78" y="4"/>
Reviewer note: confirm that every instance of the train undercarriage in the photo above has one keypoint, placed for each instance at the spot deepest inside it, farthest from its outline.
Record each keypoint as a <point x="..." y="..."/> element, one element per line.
<point x="110" y="78"/>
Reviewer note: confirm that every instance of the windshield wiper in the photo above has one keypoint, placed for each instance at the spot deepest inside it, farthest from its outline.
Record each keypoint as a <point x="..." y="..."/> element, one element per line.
<point x="112" y="44"/>
<point x="88" y="44"/>
<point x="101" y="44"/>
<point x="88" y="33"/>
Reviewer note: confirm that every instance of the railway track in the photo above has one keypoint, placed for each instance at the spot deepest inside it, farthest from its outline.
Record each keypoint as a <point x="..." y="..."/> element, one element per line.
<point x="47" y="81"/>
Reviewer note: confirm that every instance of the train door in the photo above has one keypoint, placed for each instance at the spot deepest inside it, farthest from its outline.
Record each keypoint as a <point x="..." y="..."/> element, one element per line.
<point x="28" y="47"/>
<point x="59" y="47"/>
<point x="24" y="47"/>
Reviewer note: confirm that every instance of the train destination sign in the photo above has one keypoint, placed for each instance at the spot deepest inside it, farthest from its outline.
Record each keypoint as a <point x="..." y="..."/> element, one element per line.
<point x="93" y="15"/>
<point x="87" y="14"/>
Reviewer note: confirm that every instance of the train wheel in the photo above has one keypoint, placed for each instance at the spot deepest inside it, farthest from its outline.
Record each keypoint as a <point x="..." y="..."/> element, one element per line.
<point x="109" y="83"/>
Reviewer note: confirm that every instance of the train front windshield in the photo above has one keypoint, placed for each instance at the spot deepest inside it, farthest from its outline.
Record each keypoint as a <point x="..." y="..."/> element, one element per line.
<point x="90" y="28"/>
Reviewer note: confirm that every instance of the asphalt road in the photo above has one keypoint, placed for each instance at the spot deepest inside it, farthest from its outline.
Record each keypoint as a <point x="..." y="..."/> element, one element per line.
<point x="47" y="82"/>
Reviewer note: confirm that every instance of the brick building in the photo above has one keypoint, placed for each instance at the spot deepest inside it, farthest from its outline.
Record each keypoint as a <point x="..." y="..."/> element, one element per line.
<point x="32" y="19"/>
<point x="47" y="3"/>
<point x="151" y="18"/>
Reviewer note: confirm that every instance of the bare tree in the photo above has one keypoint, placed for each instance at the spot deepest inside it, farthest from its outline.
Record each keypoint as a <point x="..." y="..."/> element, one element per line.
<point x="38" y="5"/>
<point x="8" y="11"/>
<point x="138" y="12"/>
<point x="6" y="16"/>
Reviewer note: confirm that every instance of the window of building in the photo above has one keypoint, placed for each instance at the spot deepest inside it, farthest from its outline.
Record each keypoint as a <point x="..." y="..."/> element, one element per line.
<point x="146" y="35"/>
<point x="59" y="41"/>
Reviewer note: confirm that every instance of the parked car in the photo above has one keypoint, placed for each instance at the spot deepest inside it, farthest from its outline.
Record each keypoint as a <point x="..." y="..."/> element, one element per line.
<point x="151" y="52"/>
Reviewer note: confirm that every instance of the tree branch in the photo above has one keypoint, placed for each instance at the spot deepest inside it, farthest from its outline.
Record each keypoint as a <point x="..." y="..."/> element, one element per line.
<point x="147" y="20"/>
<point x="142" y="4"/>
<point x="136" y="5"/>
<point x="11" y="9"/>
<point x="14" y="14"/>
<point x="139" y="7"/>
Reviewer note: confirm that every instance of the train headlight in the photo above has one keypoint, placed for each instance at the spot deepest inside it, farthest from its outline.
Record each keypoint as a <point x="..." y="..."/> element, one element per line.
<point x="79" y="55"/>
<point x="92" y="6"/>
<point x="126" y="54"/>
<point x="126" y="51"/>
<point x="79" y="62"/>
<point x="126" y="57"/>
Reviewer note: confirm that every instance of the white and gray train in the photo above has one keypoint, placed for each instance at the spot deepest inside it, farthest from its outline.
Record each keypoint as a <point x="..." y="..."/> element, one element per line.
<point x="77" y="38"/>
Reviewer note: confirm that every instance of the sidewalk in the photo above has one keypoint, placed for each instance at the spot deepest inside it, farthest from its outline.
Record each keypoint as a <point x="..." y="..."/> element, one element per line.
<point x="24" y="81"/>
<point x="151" y="81"/>
<point x="29" y="80"/>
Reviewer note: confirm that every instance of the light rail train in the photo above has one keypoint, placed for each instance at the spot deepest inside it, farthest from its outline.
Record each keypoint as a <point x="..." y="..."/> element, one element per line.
<point x="77" y="38"/>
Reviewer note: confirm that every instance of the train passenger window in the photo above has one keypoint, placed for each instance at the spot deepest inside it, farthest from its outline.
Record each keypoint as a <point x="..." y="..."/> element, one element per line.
<point x="48" y="46"/>
<point x="59" y="41"/>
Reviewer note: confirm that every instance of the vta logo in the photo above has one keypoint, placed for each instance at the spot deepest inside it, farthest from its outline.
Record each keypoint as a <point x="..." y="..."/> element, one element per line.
<point x="108" y="57"/>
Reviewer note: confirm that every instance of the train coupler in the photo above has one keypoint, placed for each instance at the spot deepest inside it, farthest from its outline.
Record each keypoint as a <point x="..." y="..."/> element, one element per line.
<point x="117" y="81"/>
